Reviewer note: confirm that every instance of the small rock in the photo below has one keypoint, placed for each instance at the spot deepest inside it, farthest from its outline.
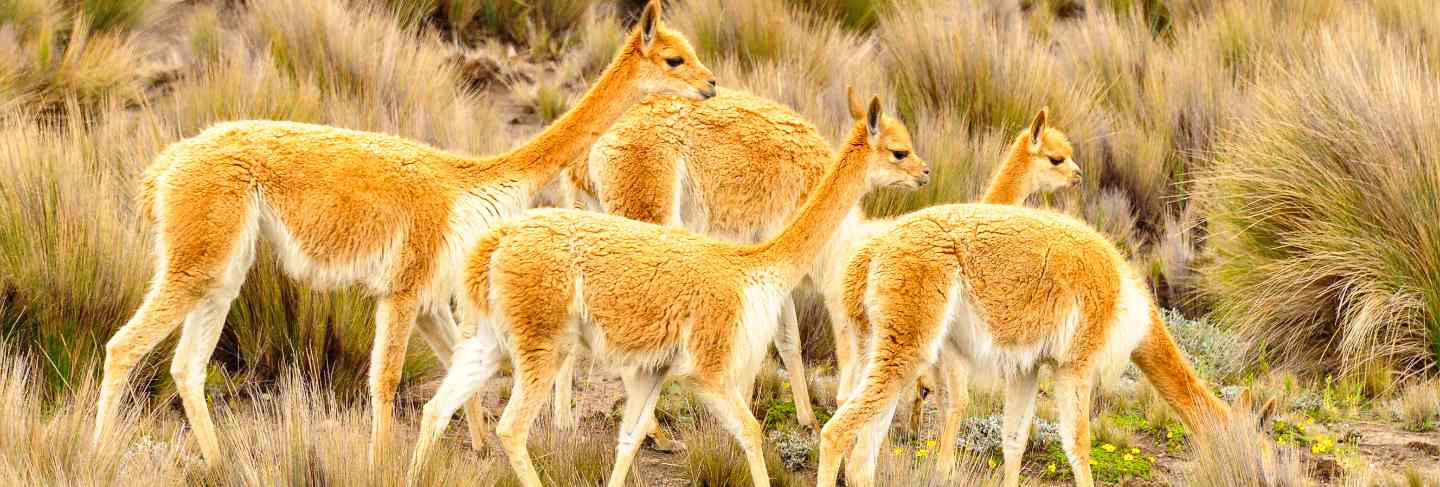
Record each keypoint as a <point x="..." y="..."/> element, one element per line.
<point x="1425" y="447"/>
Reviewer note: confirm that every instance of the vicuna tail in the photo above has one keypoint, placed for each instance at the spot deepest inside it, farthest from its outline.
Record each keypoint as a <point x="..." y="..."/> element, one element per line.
<point x="1162" y="363"/>
<point x="148" y="182"/>
<point x="477" y="270"/>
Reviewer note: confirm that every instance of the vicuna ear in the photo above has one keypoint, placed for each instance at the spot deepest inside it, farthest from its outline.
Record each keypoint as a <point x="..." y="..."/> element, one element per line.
<point x="857" y="109"/>
<point x="872" y="120"/>
<point x="1037" y="129"/>
<point x="649" y="24"/>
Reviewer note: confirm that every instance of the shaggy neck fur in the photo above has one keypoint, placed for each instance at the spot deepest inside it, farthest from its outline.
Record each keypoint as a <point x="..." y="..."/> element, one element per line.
<point x="1012" y="182"/>
<point x="544" y="155"/>
<point x="843" y="185"/>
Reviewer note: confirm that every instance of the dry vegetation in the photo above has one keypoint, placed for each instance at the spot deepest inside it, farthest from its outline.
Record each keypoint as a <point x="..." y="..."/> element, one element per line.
<point x="1270" y="165"/>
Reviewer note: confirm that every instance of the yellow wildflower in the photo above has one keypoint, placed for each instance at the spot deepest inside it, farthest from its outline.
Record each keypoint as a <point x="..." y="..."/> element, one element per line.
<point x="1169" y="434"/>
<point x="1108" y="447"/>
<point x="991" y="462"/>
<point x="899" y="450"/>
<point x="1051" y="467"/>
<point x="921" y="453"/>
<point x="1135" y="451"/>
<point x="1128" y="457"/>
<point x="930" y="443"/>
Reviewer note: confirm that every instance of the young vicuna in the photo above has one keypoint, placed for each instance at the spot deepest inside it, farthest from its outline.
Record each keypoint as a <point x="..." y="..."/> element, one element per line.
<point x="735" y="168"/>
<point x="660" y="301"/>
<point x="344" y="207"/>
<point x="1009" y="289"/>
<point x="1039" y="160"/>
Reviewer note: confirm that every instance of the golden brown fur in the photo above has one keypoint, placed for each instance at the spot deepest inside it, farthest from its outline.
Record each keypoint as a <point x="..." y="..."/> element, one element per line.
<point x="1009" y="289"/>
<point x="1026" y="168"/>
<point x="348" y="207"/>
<point x="659" y="301"/>
<point x="735" y="167"/>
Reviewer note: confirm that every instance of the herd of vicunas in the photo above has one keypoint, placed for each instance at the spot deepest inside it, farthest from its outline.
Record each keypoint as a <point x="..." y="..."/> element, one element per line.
<point x="713" y="205"/>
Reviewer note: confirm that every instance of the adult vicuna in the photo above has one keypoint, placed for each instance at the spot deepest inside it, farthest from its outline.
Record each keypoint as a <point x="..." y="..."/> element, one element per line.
<point x="735" y="168"/>
<point x="1010" y="289"/>
<point x="1039" y="160"/>
<point x="345" y="207"/>
<point x="660" y="301"/>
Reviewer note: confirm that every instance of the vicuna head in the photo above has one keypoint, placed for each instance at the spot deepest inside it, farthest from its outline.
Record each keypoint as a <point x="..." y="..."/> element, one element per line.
<point x="1050" y="160"/>
<point x="664" y="62"/>
<point x="893" y="162"/>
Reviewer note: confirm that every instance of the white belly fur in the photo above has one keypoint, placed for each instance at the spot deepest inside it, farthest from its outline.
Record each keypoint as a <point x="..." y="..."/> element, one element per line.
<point x="970" y="334"/>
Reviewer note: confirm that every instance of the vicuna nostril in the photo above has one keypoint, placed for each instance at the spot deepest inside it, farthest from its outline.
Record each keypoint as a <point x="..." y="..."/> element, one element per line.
<point x="927" y="171"/>
<point x="712" y="83"/>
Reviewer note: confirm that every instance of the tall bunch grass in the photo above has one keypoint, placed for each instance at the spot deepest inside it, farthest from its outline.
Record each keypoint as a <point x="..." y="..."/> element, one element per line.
<point x="76" y="256"/>
<point x="49" y="59"/>
<point x="1323" y="204"/>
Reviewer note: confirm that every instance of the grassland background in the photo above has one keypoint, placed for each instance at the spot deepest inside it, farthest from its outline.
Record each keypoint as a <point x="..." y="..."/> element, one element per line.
<point x="1271" y="166"/>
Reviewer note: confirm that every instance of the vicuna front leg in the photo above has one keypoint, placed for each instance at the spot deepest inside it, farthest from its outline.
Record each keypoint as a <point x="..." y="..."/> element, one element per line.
<point x="955" y="373"/>
<point x="192" y="353"/>
<point x="787" y="342"/>
<point x="1072" y="400"/>
<point x="642" y="391"/>
<point x="1019" y="413"/>
<point x="394" y="320"/>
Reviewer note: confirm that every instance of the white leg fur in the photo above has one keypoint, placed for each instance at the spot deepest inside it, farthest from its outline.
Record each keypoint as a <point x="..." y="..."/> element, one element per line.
<point x="787" y="342"/>
<point x="198" y="338"/>
<point x="562" y="406"/>
<point x="860" y="468"/>
<point x="1020" y="392"/>
<point x="440" y="332"/>
<point x="642" y="391"/>
<point x="472" y="365"/>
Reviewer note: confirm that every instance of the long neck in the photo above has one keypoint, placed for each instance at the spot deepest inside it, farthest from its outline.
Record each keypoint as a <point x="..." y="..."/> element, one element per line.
<point x="1159" y="358"/>
<point x="1012" y="182"/>
<point x="541" y="158"/>
<point x="839" y="190"/>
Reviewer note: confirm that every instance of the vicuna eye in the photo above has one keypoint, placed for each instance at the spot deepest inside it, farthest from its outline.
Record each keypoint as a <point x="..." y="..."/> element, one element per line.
<point x="1057" y="160"/>
<point x="901" y="154"/>
<point x="674" y="61"/>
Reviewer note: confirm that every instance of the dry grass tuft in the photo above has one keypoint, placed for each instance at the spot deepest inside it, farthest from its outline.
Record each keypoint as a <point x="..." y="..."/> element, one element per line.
<point x="1323" y="204"/>
<point x="1237" y="454"/>
<point x="713" y="459"/>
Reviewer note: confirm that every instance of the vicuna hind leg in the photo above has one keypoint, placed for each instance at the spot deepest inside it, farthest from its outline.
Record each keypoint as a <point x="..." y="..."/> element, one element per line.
<point x="787" y="342"/>
<point x="474" y="362"/>
<point x="167" y="303"/>
<point x="438" y="328"/>
<point x="191" y="264"/>
<point x="197" y="343"/>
